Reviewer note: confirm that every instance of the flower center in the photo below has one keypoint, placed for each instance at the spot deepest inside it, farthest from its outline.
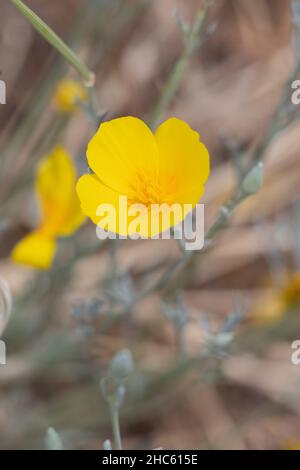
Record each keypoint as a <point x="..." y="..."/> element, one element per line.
<point x="145" y="189"/>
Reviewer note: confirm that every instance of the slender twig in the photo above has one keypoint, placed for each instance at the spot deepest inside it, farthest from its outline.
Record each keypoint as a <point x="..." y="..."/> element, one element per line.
<point x="50" y="36"/>
<point x="192" y="43"/>
<point x="277" y="123"/>
<point x="115" y="421"/>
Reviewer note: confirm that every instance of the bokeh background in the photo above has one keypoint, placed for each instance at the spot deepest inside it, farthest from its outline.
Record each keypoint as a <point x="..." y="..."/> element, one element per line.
<point x="59" y="343"/>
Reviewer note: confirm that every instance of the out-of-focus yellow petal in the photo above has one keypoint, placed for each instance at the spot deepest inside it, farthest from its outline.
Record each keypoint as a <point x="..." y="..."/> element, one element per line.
<point x="268" y="310"/>
<point x="73" y="219"/>
<point x="66" y="94"/>
<point x="55" y="179"/>
<point x="293" y="444"/>
<point x="60" y="209"/>
<point x="121" y="149"/>
<point x="291" y="291"/>
<point x="274" y="306"/>
<point x="55" y="186"/>
<point x="35" y="250"/>
<point x="183" y="161"/>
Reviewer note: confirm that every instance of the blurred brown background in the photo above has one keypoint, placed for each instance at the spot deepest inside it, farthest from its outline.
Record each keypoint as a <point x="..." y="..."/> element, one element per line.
<point x="231" y="89"/>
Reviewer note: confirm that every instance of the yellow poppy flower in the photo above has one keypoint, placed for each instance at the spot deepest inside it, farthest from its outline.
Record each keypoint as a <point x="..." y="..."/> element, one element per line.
<point x="60" y="210"/>
<point x="66" y="94"/>
<point x="127" y="159"/>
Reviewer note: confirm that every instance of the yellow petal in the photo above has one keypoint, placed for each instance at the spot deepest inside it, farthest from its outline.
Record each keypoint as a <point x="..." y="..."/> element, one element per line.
<point x="92" y="193"/>
<point x="158" y="219"/>
<point x="183" y="162"/>
<point x="170" y="168"/>
<point x="110" y="210"/>
<point x="55" y="179"/>
<point x="290" y="294"/>
<point x="268" y="310"/>
<point x="121" y="149"/>
<point x="55" y="186"/>
<point x="72" y="219"/>
<point x="35" y="250"/>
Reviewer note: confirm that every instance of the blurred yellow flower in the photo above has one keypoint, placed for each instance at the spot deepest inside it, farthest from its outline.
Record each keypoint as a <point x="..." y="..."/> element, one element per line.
<point x="66" y="95"/>
<point x="268" y="310"/>
<point x="291" y="291"/>
<point x="168" y="167"/>
<point x="272" y="308"/>
<point x="292" y="445"/>
<point x="60" y="210"/>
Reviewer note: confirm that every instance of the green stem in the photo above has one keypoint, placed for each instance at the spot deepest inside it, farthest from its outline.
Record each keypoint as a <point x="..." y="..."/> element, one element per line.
<point x="56" y="42"/>
<point x="179" y="69"/>
<point x="276" y="125"/>
<point x="114" y="413"/>
<point x="224" y="215"/>
<point x="179" y="343"/>
<point x="170" y="90"/>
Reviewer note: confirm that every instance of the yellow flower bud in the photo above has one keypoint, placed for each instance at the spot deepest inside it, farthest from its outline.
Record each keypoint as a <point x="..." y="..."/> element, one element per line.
<point x="67" y="94"/>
